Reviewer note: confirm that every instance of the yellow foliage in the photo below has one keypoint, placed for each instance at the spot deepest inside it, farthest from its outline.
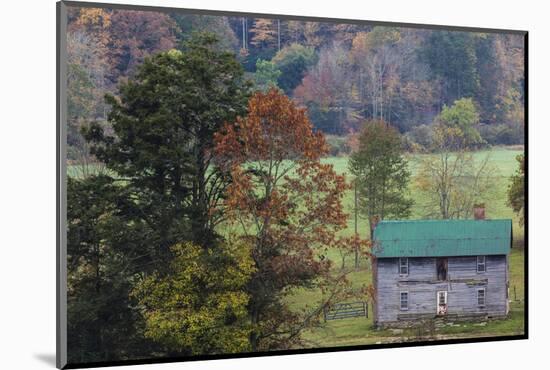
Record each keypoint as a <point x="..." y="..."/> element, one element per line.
<point x="200" y="304"/>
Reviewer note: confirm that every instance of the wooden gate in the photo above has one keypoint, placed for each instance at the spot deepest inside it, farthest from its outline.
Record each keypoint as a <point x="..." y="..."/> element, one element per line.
<point x="346" y="310"/>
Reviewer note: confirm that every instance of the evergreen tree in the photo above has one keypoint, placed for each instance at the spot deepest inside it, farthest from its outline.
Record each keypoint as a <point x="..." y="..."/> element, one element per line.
<point x="163" y="122"/>
<point x="103" y="254"/>
<point x="451" y="56"/>
<point x="381" y="173"/>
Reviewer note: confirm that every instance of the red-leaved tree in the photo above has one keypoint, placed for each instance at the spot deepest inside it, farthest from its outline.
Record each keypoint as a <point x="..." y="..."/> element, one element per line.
<point x="289" y="208"/>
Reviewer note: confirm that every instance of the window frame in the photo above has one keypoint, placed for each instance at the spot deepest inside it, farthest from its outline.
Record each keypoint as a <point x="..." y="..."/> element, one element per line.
<point x="400" y="265"/>
<point x="484" y="264"/>
<point x="401" y="293"/>
<point x="445" y="262"/>
<point x="484" y="297"/>
<point x="442" y="293"/>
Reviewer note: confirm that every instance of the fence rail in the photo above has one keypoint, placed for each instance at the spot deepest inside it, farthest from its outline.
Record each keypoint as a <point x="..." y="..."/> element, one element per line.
<point x="346" y="310"/>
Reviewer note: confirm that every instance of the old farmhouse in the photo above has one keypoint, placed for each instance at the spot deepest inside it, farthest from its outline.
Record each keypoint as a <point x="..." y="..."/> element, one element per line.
<point x="426" y="269"/>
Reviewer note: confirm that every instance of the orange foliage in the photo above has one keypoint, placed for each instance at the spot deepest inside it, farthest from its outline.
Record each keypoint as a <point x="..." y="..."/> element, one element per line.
<point x="288" y="203"/>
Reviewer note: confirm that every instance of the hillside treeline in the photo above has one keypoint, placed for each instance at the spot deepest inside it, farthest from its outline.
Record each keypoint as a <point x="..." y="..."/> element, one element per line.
<point x="343" y="73"/>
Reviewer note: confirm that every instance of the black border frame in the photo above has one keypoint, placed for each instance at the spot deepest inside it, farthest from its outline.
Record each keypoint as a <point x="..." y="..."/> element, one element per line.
<point x="61" y="273"/>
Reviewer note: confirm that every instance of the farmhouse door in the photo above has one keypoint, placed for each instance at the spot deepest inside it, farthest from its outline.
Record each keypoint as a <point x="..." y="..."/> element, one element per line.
<point x="442" y="302"/>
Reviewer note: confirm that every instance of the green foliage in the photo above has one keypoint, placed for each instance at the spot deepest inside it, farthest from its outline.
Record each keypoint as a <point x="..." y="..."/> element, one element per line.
<point x="381" y="172"/>
<point x="100" y="263"/>
<point x="293" y="62"/>
<point x="451" y="56"/>
<point x="163" y="123"/>
<point x="192" y="23"/>
<point x="199" y="305"/>
<point x="266" y="75"/>
<point x="516" y="189"/>
<point x="464" y="116"/>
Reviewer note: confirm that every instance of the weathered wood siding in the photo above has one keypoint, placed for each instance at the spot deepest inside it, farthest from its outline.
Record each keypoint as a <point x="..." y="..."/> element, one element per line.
<point x="421" y="283"/>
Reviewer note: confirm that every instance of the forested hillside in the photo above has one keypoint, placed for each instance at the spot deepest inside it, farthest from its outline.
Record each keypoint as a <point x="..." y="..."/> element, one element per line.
<point x="342" y="73"/>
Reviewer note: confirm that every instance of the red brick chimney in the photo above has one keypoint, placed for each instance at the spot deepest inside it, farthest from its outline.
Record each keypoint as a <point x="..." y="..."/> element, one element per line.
<point x="479" y="211"/>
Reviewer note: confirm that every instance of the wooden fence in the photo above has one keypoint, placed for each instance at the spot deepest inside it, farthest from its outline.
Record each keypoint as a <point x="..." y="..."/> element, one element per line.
<point x="346" y="310"/>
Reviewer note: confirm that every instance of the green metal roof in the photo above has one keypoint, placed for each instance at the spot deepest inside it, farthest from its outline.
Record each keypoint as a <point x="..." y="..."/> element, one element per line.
<point x="440" y="238"/>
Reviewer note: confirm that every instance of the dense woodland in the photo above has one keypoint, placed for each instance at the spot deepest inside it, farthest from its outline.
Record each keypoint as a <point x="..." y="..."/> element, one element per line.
<point x="343" y="73"/>
<point x="200" y="202"/>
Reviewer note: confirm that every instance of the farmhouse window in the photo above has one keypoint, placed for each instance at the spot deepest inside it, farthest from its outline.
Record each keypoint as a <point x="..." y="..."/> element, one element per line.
<point x="442" y="265"/>
<point x="481" y="297"/>
<point x="403" y="266"/>
<point x="404" y="301"/>
<point x="481" y="267"/>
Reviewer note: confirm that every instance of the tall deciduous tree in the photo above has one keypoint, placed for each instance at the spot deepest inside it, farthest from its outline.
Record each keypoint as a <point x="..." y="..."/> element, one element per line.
<point x="289" y="206"/>
<point x="264" y="33"/>
<point x="381" y="173"/>
<point x="377" y="60"/>
<point x="451" y="180"/>
<point x="163" y="126"/>
<point x="325" y="90"/>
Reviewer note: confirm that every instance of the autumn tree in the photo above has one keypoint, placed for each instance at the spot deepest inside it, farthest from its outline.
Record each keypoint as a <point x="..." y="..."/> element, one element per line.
<point x="451" y="180"/>
<point x="264" y="33"/>
<point x="125" y="37"/>
<point x="381" y="173"/>
<point x="199" y="306"/>
<point x="377" y="60"/>
<point x="163" y="125"/>
<point x="87" y="68"/>
<point x="294" y="31"/>
<point x="134" y="35"/>
<point x="289" y="208"/>
<point x="325" y="90"/>
<point x="516" y="190"/>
